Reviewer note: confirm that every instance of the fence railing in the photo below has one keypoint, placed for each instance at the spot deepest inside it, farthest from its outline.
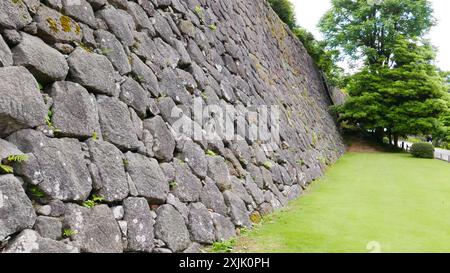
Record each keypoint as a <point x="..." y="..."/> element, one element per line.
<point x="438" y="154"/>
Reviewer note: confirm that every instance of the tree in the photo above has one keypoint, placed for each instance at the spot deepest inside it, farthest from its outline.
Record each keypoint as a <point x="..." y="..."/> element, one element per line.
<point x="369" y="32"/>
<point x="408" y="97"/>
<point x="285" y="11"/>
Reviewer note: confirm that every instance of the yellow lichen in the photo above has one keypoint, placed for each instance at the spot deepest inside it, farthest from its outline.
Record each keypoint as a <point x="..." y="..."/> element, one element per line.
<point x="66" y="23"/>
<point x="52" y="25"/>
<point x="77" y="29"/>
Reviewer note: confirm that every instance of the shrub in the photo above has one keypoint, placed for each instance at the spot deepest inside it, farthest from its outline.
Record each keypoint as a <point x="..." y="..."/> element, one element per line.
<point x="422" y="150"/>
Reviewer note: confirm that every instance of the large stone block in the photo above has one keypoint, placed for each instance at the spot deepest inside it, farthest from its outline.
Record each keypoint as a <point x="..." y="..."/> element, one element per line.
<point x="21" y="104"/>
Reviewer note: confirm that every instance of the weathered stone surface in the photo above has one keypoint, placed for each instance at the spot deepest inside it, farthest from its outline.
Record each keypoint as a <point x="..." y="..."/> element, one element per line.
<point x="5" y="54"/>
<point x="7" y="149"/>
<point x="148" y="178"/>
<point x="238" y="211"/>
<point x="29" y="241"/>
<point x="135" y="96"/>
<point x="195" y="157"/>
<point x="213" y="198"/>
<point x="218" y="171"/>
<point x="139" y="224"/>
<point x="14" y="15"/>
<point x="170" y="228"/>
<point x="120" y="24"/>
<point x="48" y="227"/>
<point x="224" y="228"/>
<point x="16" y="210"/>
<point x="253" y="190"/>
<point x="54" y="27"/>
<point x="163" y="141"/>
<point x="113" y="50"/>
<point x="93" y="71"/>
<point x="116" y="124"/>
<point x="21" y="104"/>
<point x="141" y="19"/>
<point x="187" y="186"/>
<point x="237" y="187"/>
<point x="95" y="230"/>
<point x="60" y="165"/>
<point x="74" y="110"/>
<point x="110" y="179"/>
<point x="80" y="10"/>
<point x="201" y="225"/>
<point x="144" y="75"/>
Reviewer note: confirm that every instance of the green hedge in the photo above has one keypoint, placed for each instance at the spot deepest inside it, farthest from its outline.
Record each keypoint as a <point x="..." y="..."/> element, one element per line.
<point x="422" y="150"/>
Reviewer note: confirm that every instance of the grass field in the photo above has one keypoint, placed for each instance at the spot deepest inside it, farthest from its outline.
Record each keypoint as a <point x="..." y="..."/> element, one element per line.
<point x="367" y="202"/>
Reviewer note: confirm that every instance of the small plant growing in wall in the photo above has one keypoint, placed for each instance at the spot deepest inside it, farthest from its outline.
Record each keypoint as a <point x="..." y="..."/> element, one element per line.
<point x="95" y="136"/>
<point x="173" y="185"/>
<point x="211" y="153"/>
<point x="94" y="201"/>
<point x="267" y="165"/>
<point x="223" y="247"/>
<point x="35" y="191"/>
<point x="68" y="233"/>
<point x="5" y="165"/>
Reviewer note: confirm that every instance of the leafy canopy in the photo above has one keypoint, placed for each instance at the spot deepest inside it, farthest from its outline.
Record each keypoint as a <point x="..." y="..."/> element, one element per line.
<point x="361" y="30"/>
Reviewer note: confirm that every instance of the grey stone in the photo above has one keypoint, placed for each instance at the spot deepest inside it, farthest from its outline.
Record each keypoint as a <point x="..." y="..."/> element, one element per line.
<point x="60" y="164"/>
<point x="75" y="112"/>
<point x="97" y="4"/>
<point x="148" y="178"/>
<point x="144" y="75"/>
<point x="163" y="141"/>
<point x="14" y="15"/>
<point x="141" y="19"/>
<point x="187" y="186"/>
<point x="254" y="190"/>
<point x="163" y="28"/>
<point x="7" y="149"/>
<point x="81" y="11"/>
<point x="48" y="227"/>
<point x="54" y="27"/>
<point x="113" y="50"/>
<point x="256" y="175"/>
<point x="118" y="212"/>
<point x="112" y="181"/>
<point x="201" y="225"/>
<point x="57" y="208"/>
<point x="29" y="241"/>
<point x="135" y="96"/>
<point x="238" y="210"/>
<point x="193" y="248"/>
<point x="16" y="210"/>
<point x="162" y="250"/>
<point x="93" y="71"/>
<point x="95" y="230"/>
<point x="120" y="23"/>
<point x="218" y="171"/>
<point x="237" y="186"/>
<point x="116" y="124"/>
<point x="213" y="198"/>
<point x="195" y="157"/>
<point x="170" y="228"/>
<point x="45" y="210"/>
<point x="224" y="227"/>
<point x="172" y="86"/>
<point x="21" y="104"/>
<point x="180" y="206"/>
<point x="5" y="54"/>
<point x="140" y="224"/>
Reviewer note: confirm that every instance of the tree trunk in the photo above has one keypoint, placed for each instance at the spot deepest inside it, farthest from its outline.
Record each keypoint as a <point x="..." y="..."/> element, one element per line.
<point x="379" y="134"/>
<point x="395" y="140"/>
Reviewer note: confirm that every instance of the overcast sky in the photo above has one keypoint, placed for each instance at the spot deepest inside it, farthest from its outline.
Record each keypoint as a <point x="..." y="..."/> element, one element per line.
<point x="310" y="11"/>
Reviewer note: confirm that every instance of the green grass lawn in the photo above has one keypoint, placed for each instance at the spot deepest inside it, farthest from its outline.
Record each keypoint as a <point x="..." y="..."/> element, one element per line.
<point x="366" y="202"/>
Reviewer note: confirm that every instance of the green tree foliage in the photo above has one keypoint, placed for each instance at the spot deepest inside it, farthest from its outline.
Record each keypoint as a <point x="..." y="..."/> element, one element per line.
<point x="285" y="11"/>
<point x="369" y="32"/>
<point x="407" y="98"/>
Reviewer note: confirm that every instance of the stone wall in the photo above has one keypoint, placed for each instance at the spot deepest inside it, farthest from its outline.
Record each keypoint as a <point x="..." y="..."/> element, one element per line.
<point x="93" y="93"/>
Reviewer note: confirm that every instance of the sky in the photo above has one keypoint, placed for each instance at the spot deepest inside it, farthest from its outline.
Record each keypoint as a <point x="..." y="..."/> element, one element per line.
<point x="309" y="13"/>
